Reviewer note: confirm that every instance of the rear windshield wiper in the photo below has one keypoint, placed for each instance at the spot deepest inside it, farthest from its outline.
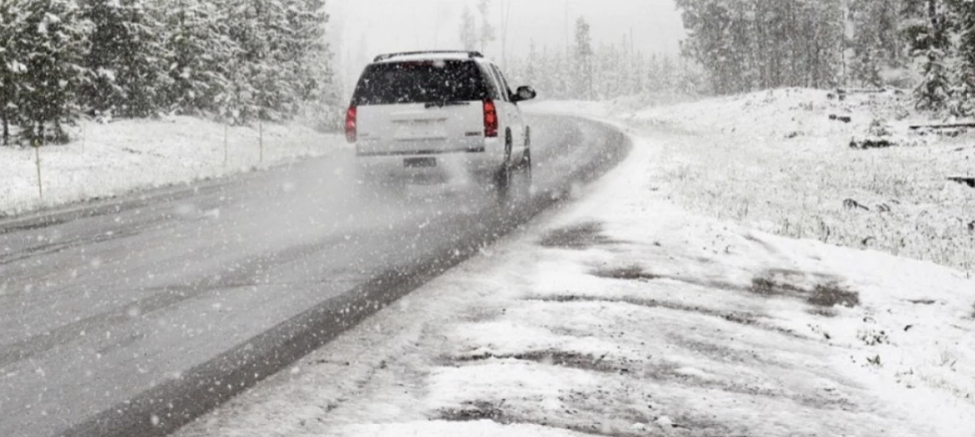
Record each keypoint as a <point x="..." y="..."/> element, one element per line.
<point x="429" y="105"/>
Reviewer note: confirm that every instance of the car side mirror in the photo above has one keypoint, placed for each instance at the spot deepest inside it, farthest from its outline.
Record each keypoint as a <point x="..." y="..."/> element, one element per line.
<point x="525" y="93"/>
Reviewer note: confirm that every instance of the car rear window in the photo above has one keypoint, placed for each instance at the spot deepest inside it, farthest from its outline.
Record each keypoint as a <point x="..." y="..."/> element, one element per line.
<point x="420" y="82"/>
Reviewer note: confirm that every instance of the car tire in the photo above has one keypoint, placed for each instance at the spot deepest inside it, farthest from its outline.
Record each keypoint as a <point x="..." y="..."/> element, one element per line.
<point x="502" y="178"/>
<point x="524" y="177"/>
<point x="513" y="182"/>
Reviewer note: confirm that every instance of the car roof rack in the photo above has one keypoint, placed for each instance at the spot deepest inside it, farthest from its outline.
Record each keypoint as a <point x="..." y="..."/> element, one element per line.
<point x="470" y="54"/>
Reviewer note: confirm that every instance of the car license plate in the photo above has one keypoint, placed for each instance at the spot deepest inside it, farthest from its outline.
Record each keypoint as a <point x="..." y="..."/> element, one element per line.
<point x="420" y="162"/>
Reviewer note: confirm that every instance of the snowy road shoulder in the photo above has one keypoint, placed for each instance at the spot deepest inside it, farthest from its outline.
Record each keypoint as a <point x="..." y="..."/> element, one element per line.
<point x="118" y="158"/>
<point x="624" y="315"/>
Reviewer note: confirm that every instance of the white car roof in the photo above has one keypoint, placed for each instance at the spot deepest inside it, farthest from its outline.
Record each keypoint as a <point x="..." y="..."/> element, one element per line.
<point x="428" y="56"/>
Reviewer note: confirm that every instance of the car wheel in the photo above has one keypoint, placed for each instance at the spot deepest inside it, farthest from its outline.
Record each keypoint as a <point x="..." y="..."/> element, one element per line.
<point x="502" y="179"/>
<point x="523" y="178"/>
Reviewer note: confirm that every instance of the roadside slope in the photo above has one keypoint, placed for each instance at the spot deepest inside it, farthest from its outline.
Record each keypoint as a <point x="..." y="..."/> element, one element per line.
<point x="775" y="161"/>
<point x="125" y="156"/>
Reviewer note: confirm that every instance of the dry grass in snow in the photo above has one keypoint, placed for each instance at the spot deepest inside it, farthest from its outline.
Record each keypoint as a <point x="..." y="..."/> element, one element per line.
<point x="775" y="161"/>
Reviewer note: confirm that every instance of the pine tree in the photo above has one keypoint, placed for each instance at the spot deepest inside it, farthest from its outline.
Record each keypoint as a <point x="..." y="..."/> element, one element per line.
<point x="826" y="54"/>
<point x="668" y="72"/>
<point x="468" y="30"/>
<point x="934" y="91"/>
<point x="314" y="77"/>
<point x="13" y="66"/>
<point x="963" y="78"/>
<point x="487" y="34"/>
<point x="751" y="44"/>
<point x="278" y="61"/>
<point x="271" y="65"/>
<point x="865" y="68"/>
<point x="530" y="74"/>
<point x="52" y="44"/>
<point x="708" y="23"/>
<point x="198" y="55"/>
<point x="584" y="68"/>
<point x="930" y="41"/>
<point x="562" y="74"/>
<point x="242" y="59"/>
<point x="638" y="74"/>
<point x="123" y="58"/>
<point x="653" y="74"/>
<point x="545" y="82"/>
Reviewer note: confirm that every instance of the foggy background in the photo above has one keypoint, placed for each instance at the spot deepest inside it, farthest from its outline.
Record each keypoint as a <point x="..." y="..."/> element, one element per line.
<point x="360" y="29"/>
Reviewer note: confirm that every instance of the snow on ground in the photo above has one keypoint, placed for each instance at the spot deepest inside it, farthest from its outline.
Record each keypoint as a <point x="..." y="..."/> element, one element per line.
<point x="776" y="161"/>
<point x="573" y="107"/>
<point x="624" y="314"/>
<point x="107" y="160"/>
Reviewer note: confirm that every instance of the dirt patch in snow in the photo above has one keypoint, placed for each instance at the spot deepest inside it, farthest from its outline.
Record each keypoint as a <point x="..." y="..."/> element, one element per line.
<point x="481" y="410"/>
<point x="830" y="295"/>
<point x="767" y="286"/>
<point x="724" y="353"/>
<point x="632" y="273"/>
<point x="824" y="295"/>
<point x="574" y="360"/>
<point x="578" y="237"/>
<point x="738" y="318"/>
<point x="476" y="410"/>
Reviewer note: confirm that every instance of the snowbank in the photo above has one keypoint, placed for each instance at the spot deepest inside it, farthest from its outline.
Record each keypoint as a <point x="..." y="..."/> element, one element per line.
<point x="108" y="160"/>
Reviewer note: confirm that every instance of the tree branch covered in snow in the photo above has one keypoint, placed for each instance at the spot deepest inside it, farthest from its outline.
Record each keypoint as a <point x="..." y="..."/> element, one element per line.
<point x="229" y="59"/>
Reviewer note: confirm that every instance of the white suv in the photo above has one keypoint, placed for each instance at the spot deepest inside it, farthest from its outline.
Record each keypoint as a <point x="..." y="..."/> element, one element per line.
<point x="435" y="115"/>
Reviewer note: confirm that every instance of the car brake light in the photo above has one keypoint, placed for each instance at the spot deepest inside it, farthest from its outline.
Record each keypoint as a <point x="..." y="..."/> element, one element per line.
<point x="490" y="119"/>
<point x="350" y="124"/>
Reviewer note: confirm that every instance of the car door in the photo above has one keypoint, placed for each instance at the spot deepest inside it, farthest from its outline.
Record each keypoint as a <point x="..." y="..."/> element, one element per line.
<point x="512" y="111"/>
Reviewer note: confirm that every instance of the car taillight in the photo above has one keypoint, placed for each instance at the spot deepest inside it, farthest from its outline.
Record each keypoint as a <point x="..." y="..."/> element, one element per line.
<point x="350" y="125"/>
<point x="490" y="119"/>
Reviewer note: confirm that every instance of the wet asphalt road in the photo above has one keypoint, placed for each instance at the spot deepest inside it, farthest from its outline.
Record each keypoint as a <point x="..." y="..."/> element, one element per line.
<point x="137" y="316"/>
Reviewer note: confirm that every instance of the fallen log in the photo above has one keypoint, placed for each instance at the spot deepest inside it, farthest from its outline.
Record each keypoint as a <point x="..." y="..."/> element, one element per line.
<point x="861" y="90"/>
<point x="943" y="126"/>
<point x="965" y="180"/>
<point x="872" y="143"/>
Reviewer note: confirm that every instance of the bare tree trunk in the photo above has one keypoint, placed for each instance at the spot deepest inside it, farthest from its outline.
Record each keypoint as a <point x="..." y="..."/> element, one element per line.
<point x="60" y="136"/>
<point x="6" y="126"/>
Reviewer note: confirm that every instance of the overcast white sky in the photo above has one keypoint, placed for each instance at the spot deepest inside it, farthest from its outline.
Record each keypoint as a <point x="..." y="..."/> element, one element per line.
<point x="369" y="27"/>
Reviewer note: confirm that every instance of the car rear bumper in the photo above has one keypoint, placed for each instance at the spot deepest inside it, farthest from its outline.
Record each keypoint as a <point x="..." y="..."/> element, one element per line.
<point x="422" y="165"/>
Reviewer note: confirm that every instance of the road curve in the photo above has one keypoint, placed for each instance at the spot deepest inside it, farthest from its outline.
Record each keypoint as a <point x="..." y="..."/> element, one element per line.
<point x="136" y="316"/>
